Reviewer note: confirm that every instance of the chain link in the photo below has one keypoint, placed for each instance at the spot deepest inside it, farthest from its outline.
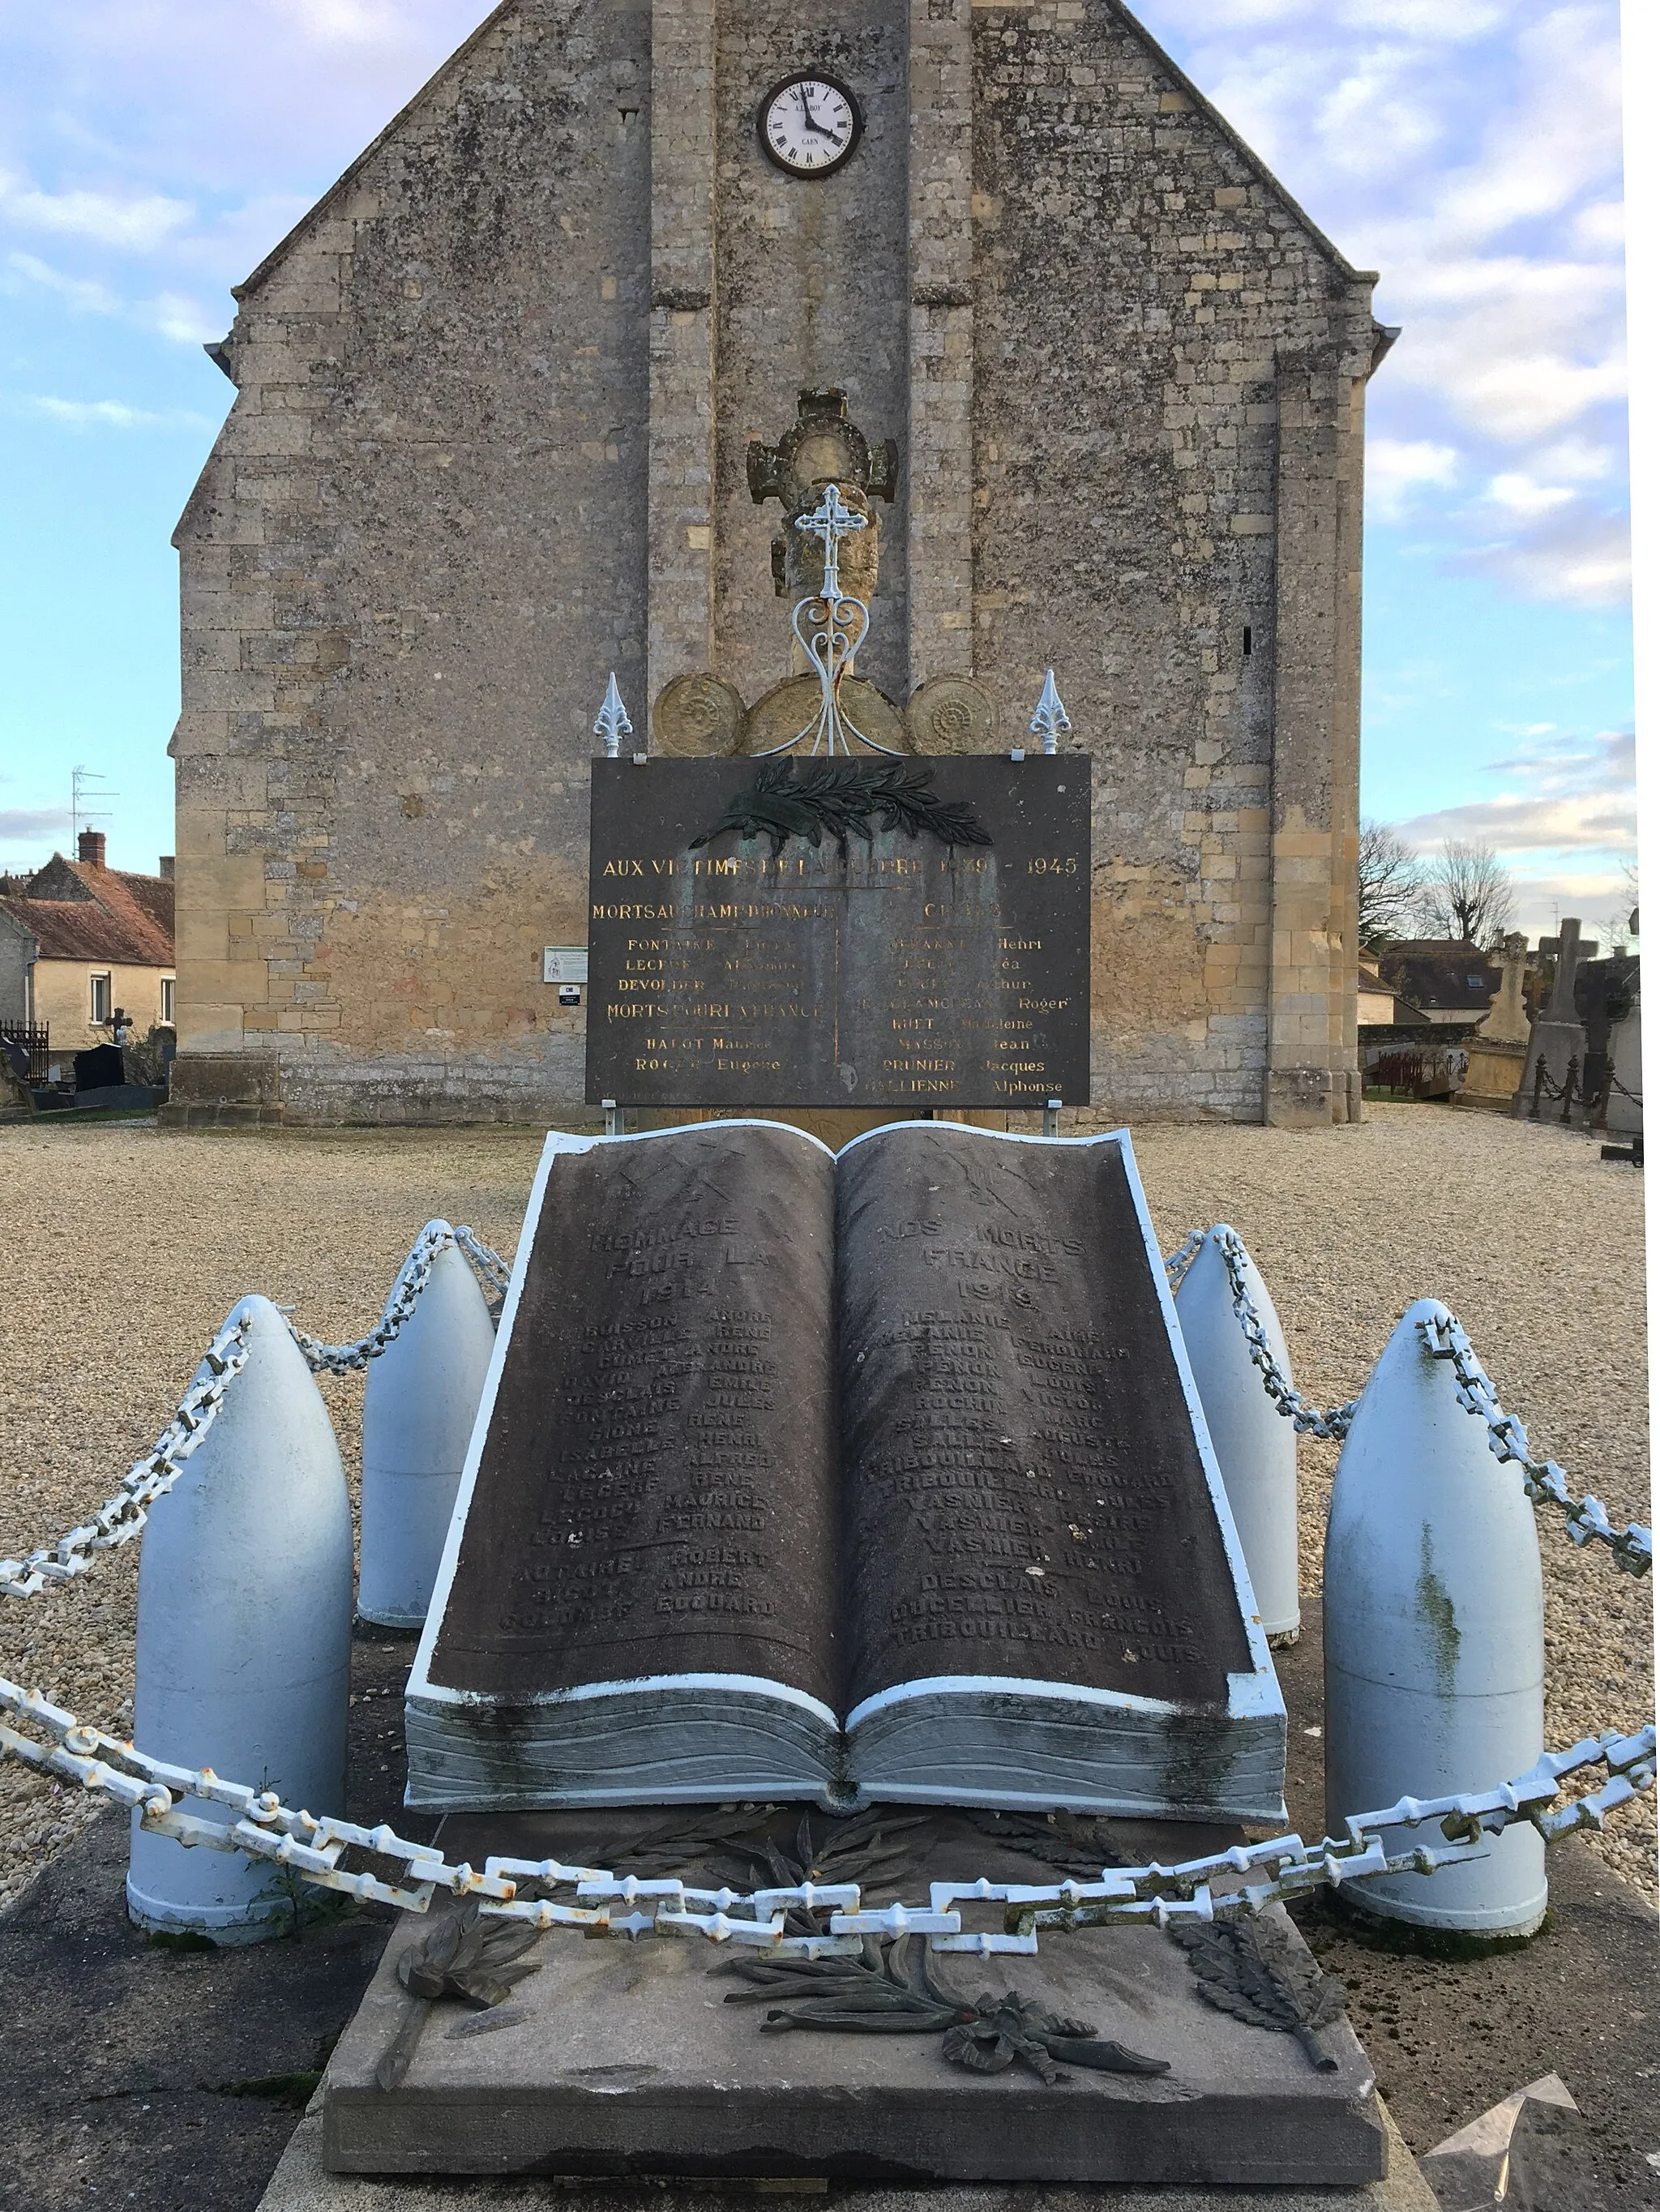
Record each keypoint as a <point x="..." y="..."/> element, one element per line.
<point x="412" y="1278"/>
<point x="496" y="1271"/>
<point x="119" y="1520"/>
<point x="1177" y="1263"/>
<point x="1542" y="1480"/>
<point x="1307" y="1420"/>
<point x="1545" y="1482"/>
<point x="330" y="1854"/>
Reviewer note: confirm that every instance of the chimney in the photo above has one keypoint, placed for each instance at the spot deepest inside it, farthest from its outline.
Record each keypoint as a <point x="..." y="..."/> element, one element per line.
<point x="91" y="848"/>
<point x="164" y="867"/>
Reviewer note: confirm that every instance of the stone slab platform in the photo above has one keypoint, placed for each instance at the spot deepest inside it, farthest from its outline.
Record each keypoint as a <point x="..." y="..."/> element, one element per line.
<point x="302" y="2183"/>
<point x="622" y="2060"/>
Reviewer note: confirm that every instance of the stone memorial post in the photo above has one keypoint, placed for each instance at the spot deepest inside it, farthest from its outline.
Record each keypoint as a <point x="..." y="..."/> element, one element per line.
<point x="419" y="1400"/>
<point x="244" y="1654"/>
<point x="1434" y="1636"/>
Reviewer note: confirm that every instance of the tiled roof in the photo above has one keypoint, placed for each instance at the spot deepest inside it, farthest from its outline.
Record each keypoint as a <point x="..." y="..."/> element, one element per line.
<point x="77" y="912"/>
<point x="1440" y="975"/>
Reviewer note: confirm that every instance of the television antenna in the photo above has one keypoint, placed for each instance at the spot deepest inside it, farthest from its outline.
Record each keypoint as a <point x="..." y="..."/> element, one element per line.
<point x="80" y="778"/>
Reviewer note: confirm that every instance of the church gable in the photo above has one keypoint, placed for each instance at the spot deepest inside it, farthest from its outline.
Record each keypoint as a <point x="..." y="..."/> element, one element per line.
<point x="496" y="393"/>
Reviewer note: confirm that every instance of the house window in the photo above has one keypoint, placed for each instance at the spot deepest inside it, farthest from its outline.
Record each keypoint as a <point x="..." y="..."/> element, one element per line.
<point x="100" y="999"/>
<point x="167" y="988"/>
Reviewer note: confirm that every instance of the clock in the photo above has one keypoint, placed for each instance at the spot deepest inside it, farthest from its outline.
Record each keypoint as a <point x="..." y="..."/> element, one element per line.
<point x="809" y="124"/>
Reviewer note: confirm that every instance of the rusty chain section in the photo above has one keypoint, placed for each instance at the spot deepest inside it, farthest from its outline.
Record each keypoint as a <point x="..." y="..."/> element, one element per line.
<point x="121" y="1517"/>
<point x="378" y="1864"/>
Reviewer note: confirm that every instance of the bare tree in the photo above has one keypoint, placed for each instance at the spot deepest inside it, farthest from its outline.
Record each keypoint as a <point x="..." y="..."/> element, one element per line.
<point x="1390" y="882"/>
<point x="1466" y="894"/>
<point x="1622" y="925"/>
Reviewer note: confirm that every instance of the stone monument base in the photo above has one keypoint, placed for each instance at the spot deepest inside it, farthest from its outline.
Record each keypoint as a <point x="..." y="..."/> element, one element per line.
<point x="1495" y="1077"/>
<point x="621" y="2060"/>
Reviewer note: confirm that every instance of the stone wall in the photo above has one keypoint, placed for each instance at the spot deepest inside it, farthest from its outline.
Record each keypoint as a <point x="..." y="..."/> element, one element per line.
<point x="16" y="961"/>
<point x="493" y="397"/>
<point x="1163" y="361"/>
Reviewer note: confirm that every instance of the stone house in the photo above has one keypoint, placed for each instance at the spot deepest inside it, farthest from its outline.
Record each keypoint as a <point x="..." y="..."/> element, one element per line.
<point x="82" y="939"/>
<point x="494" y="393"/>
<point x="1451" y="984"/>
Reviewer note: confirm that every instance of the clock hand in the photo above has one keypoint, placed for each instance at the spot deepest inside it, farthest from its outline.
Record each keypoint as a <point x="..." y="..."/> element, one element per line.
<point x="812" y="121"/>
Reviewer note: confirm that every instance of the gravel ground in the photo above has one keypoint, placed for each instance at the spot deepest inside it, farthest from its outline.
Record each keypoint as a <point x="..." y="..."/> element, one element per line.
<point x="128" y="1245"/>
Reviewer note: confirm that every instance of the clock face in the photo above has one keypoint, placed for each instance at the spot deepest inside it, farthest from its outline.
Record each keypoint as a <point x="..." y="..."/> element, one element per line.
<point x="809" y="124"/>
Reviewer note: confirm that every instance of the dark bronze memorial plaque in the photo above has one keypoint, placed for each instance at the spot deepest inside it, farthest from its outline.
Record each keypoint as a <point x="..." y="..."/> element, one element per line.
<point x="891" y="970"/>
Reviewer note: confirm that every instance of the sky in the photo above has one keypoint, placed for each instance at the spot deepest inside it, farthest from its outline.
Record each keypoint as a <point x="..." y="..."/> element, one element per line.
<point x="152" y="151"/>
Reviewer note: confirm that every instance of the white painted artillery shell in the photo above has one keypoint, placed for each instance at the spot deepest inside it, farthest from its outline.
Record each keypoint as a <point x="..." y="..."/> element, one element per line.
<point x="1434" y="1636"/>
<point x="419" y="1403"/>
<point x="1254" y="1443"/>
<point x="245" y="1633"/>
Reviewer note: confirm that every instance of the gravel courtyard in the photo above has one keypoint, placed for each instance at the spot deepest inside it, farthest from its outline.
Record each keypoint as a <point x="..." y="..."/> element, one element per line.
<point x="125" y="1247"/>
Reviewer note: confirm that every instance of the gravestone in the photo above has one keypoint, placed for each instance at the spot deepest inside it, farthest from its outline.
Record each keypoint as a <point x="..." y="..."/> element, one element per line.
<point x="1558" y="1035"/>
<point x="101" y="1068"/>
<point x="1498" y="1051"/>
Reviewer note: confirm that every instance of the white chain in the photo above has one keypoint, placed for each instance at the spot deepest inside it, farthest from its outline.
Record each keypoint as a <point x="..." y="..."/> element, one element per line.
<point x="496" y="1271"/>
<point x="1177" y="1262"/>
<point x="412" y="1277"/>
<point x="330" y="1854"/>
<point x="1545" y="1482"/>
<point x="1542" y="1480"/>
<point x="1307" y="1420"/>
<point x="119" y="1520"/>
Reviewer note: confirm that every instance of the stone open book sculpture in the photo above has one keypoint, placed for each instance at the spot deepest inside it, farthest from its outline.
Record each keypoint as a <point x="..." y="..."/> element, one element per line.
<point x="876" y="1476"/>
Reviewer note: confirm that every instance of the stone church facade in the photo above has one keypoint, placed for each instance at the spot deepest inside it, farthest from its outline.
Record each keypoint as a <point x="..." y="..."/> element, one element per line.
<point x="493" y="399"/>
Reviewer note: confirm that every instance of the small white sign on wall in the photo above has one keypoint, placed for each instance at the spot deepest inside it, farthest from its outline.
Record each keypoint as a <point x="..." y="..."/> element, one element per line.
<point x="564" y="964"/>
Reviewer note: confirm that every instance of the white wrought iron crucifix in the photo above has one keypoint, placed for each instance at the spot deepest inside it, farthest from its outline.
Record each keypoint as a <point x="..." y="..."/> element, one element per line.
<point x="832" y="627"/>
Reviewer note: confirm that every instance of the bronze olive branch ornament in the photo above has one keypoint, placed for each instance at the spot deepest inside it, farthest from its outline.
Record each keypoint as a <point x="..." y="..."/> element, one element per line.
<point x="464" y="1956"/>
<point x="842" y="799"/>
<point x="893" y="1988"/>
<point x="1250" y="1969"/>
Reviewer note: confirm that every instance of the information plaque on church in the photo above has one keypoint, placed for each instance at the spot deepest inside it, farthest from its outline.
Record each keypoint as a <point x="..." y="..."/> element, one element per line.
<point x="868" y="932"/>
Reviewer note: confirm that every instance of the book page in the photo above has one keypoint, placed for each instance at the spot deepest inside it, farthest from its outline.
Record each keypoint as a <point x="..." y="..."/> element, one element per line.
<point x="655" y="1495"/>
<point x="1023" y="1492"/>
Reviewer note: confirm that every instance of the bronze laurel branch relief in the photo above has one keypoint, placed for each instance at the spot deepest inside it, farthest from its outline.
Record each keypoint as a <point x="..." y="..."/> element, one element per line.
<point x="893" y="1988"/>
<point x="465" y="1957"/>
<point x="1250" y="1969"/>
<point x="813" y="798"/>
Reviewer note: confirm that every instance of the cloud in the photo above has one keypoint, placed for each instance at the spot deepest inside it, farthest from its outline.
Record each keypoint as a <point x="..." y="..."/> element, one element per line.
<point x="27" y="824"/>
<point x="1569" y="554"/>
<point x="1522" y="495"/>
<point x="1567" y="795"/>
<point x="184" y="320"/>
<point x="1396" y="467"/>
<point x="138" y="222"/>
<point x="83" y="294"/>
<point x="344" y="22"/>
<point x="1472" y="154"/>
<point x="175" y="315"/>
<point x="116" y="415"/>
